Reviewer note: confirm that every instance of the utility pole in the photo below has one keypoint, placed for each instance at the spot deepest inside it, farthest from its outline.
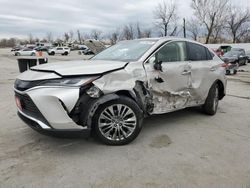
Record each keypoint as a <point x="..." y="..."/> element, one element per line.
<point x="184" y="28"/>
<point x="79" y="36"/>
<point x="165" y="28"/>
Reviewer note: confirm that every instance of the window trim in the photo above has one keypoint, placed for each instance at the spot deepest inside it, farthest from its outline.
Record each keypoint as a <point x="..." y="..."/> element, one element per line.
<point x="161" y="46"/>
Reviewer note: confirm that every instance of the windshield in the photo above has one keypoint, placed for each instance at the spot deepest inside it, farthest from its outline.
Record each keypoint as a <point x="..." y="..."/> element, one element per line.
<point x="231" y="53"/>
<point x="126" y="50"/>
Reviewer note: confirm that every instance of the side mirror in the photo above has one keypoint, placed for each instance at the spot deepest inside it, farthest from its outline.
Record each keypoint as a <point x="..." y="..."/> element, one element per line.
<point x="158" y="66"/>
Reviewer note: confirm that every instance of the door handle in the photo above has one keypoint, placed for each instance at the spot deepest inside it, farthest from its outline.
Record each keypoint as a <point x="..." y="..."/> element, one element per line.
<point x="213" y="69"/>
<point x="186" y="72"/>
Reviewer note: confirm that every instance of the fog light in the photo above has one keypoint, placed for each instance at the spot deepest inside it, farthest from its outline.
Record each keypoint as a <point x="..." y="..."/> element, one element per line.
<point x="94" y="92"/>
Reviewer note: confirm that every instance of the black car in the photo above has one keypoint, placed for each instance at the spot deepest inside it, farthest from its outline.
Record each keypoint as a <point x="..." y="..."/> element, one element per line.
<point x="41" y="49"/>
<point x="248" y="56"/>
<point x="235" y="56"/>
<point x="14" y="49"/>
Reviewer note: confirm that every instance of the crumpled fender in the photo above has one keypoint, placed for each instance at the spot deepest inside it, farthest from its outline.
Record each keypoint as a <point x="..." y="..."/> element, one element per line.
<point x="94" y="106"/>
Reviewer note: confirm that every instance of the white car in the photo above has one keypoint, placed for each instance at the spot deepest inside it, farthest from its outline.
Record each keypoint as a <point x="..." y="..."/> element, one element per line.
<point x="25" y="52"/>
<point x="59" y="50"/>
<point x="110" y="94"/>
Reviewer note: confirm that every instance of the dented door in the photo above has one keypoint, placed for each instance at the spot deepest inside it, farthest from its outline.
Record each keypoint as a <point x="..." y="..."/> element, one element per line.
<point x="203" y="69"/>
<point x="169" y="86"/>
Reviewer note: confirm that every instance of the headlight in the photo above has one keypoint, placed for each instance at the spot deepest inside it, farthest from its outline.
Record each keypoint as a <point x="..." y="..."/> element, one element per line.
<point x="78" y="81"/>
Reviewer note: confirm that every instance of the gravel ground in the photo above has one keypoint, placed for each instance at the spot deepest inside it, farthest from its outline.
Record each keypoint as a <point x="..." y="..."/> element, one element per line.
<point x="180" y="149"/>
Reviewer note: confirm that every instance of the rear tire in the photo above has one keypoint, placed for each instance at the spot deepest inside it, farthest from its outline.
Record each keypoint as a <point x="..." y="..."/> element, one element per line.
<point x="52" y="53"/>
<point x="118" y="122"/>
<point x="66" y="53"/>
<point x="212" y="101"/>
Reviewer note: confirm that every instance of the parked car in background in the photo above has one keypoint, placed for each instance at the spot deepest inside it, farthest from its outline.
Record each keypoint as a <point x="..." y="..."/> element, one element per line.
<point x="17" y="48"/>
<point x="59" y="50"/>
<point x="83" y="49"/>
<point x="94" y="46"/>
<point x="225" y="48"/>
<point x="235" y="56"/>
<point x="219" y="52"/>
<point x="41" y="49"/>
<point x="242" y="54"/>
<point x="111" y="93"/>
<point x="231" y="68"/>
<point x="248" y="56"/>
<point x="25" y="52"/>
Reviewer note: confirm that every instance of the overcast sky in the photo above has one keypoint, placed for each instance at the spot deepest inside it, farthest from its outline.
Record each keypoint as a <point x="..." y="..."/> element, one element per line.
<point x="18" y="18"/>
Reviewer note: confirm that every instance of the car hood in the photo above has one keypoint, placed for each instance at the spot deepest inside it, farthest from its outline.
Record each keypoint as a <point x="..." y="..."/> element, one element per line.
<point x="95" y="46"/>
<point x="87" y="67"/>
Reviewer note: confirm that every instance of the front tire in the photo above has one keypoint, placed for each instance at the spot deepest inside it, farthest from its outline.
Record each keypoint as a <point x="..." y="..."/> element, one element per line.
<point x="212" y="101"/>
<point x="118" y="122"/>
<point x="52" y="53"/>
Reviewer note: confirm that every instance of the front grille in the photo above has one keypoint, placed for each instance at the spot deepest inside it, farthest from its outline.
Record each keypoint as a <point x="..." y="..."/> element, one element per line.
<point x="29" y="107"/>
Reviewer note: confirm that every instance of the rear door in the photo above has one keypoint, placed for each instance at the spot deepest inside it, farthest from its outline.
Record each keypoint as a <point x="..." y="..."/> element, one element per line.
<point x="169" y="86"/>
<point x="203" y="70"/>
<point x="59" y="50"/>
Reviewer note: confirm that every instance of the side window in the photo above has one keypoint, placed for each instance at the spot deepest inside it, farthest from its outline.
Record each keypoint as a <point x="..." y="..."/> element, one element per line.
<point x="59" y="48"/>
<point x="174" y="51"/>
<point x="210" y="56"/>
<point x="196" y="52"/>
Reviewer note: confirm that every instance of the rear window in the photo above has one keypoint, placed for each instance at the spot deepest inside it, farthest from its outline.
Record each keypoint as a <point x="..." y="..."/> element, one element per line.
<point x="197" y="52"/>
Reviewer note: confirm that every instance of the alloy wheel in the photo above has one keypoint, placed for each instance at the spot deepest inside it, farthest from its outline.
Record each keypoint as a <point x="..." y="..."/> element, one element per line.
<point x="117" y="122"/>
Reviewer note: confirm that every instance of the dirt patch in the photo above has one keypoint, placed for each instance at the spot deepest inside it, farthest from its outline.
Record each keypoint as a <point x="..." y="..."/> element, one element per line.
<point x="160" y="141"/>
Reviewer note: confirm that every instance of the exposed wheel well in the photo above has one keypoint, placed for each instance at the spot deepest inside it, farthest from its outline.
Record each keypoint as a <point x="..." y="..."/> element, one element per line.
<point x="130" y="95"/>
<point x="126" y="93"/>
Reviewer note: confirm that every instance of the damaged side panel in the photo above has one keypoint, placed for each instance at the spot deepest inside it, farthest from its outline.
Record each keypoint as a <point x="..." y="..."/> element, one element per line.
<point x="169" y="87"/>
<point x="156" y="91"/>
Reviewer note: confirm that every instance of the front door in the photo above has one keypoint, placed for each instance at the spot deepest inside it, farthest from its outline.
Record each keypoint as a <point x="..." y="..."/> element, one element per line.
<point x="169" y="86"/>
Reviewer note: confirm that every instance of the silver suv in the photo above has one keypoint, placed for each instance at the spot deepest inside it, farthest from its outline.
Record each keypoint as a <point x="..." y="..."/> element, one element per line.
<point x="59" y="50"/>
<point x="110" y="94"/>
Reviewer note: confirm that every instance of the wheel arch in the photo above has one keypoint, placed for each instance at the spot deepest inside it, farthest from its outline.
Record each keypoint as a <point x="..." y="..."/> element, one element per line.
<point x="221" y="88"/>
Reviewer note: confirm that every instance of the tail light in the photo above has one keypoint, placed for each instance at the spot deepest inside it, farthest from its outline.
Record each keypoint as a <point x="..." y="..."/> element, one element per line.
<point x="225" y="65"/>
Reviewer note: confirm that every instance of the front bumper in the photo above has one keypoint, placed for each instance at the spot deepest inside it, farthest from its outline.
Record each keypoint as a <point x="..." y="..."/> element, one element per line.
<point x="46" y="130"/>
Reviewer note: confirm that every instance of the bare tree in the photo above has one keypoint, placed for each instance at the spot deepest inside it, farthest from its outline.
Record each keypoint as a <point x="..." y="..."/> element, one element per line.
<point x="114" y="37"/>
<point x="66" y="37"/>
<point x="71" y="35"/>
<point x="238" y="23"/>
<point x="139" y="32"/>
<point x="193" y="28"/>
<point x="96" y="34"/>
<point x="79" y="37"/>
<point x="30" y="39"/>
<point x="166" y="17"/>
<point x="128" y="32"/>
<point x="49" y="37"/>
<point x="147" y="33"/>
<point x="211" y="13"/>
